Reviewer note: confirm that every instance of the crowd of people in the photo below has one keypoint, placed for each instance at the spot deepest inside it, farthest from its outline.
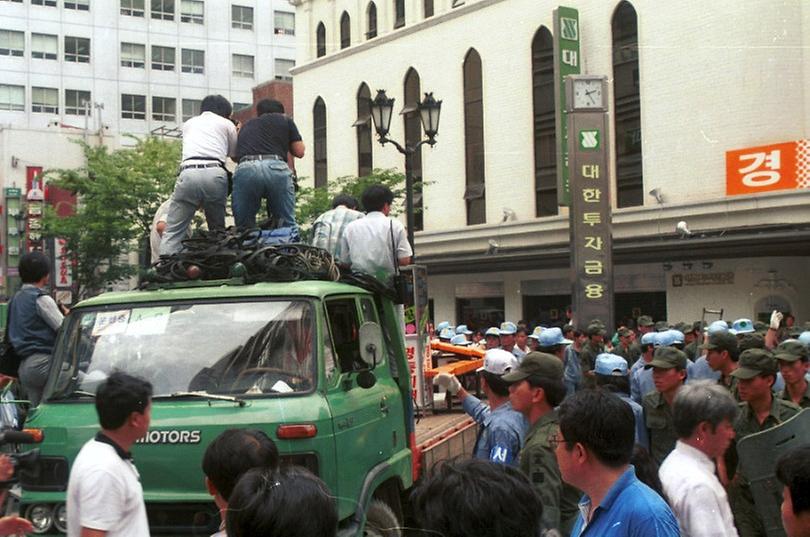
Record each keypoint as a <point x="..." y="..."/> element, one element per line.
<point x="639" y="433"/>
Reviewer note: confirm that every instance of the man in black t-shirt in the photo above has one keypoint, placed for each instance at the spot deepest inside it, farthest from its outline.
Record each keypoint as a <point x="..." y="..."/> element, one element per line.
<point x="262" y="173"/>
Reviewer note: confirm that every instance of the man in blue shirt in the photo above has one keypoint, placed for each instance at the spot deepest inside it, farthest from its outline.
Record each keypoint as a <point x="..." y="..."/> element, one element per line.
<point x="502" y="429"/>
<point x="593" y="450"/>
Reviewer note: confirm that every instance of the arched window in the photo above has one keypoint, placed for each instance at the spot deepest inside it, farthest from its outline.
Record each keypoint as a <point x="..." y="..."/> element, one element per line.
<point x="474" y="194"/>
<point x="627" y="107"/>
<point x="428" y="8"/>
<point x="320" y="40"/>
<point x="399" y="13"/>
<point x="345" y="30"/>
<point x="371" y="17"/>
<point x="545" y="134"/>
<point x="319" y="135"/>
<point x="413" y="133"/>
<point x="363" y="126"/>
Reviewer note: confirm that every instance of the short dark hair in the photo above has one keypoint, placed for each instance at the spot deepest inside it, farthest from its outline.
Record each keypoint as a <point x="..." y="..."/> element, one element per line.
<point x="600" y="421"/>
<point x="376" y="196"/>
<point x="289" y="501"/>
<point x="216" y="104"/>
<point x="345" y="199"/>
<point x="793" y="471"/>
<point x="119" y="396"/>
<point x="34" y="266"/>
<point x="234" y="452"/>
<point x="459" y="498"/>
<point x="496" y="383"/>
<point x="269" y="106"/>
<point x="554" y="388"/>
<point x="616" y="383"/>
<point x="521" y="329"/>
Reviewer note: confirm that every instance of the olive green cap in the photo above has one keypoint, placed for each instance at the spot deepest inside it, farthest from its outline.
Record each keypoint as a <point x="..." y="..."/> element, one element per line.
<point x="721" y="341"/>
<point x="596" y="328"/>
<point x="536" y="364"/>
<point x="791" y="350"/>
<point x="661" y="326"/>
<point x="667" y="358"/>
<point x="645" y="320"/>
<point x="623" y="331"/>
<point x="755" y="362"/>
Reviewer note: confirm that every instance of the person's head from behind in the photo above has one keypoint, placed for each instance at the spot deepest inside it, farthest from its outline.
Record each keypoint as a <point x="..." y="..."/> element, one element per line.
<point x="350" y="202"/>
<point x="793" y="471"/>
<point x="460" y="498"/>
<point x="703" y="415"/>
<point x="269" y="106"/>
<point x="231" y="454"/>
<point x="376" y="198"/>
<point x="123" y="404"/>
<point x="287" y="502"/>
<point x="34" y="267"/>
<point x="597" y="432"/>
<point x="217" y="104"/>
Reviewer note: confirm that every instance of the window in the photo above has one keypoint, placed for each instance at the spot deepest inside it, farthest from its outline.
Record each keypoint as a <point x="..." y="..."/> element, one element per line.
<point x="75" y="102"/>
<point x="242" y="17"/>
<point x="545" y="128"/>
<point x="163" y="10"/>
<point x="191" y="108"/>
<point x="242" y="65"/>
<point x="44" y="46"/>
<point x="133" y="55"/>
<point x="240" y="106"/>
<point x="627" y="107"/>
<point x="164" y="109"/>
<point x="192" y="11"/>
<point x="133" y="106"/>
<point x="428" y="8"/>
<point x="17" y="1"/>
<point x="12" y="98"/>
<point x="413" y="133"/>
<point x="49" y="3"/>
<point x="282" y="69"/>
<point x="284" y="23"/>
<point x="319" y="136"/>
<point x="12" y="43"/>
<point x="457" y="3"/>
<point x="320" y="40"/>
<point x="344" y="323"/>
<point x="345" y="30"/>
<point x="474" y="139"/>
<point x="363" y="126"/>
<point x="81" y="5"/>
<point x="371" y="16"/>
<point x="77" y="49"/>
<point x="162" y="58"/>
<point x="45" y="100"/>
<point x="133" y="8"/>
<point x="399" y="13"/>
<point x="192" y="61"/>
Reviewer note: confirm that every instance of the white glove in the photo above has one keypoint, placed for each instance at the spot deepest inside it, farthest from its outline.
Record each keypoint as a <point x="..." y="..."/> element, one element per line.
<point x="776" y="319"/>
<point x="448" y="382"/>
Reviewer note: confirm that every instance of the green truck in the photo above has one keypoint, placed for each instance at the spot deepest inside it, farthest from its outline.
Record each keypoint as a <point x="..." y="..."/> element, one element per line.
<point x="320" y="366"/>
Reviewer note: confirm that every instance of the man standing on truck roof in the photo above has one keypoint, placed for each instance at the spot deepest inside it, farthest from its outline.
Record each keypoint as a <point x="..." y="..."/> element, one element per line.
<point x="104" y="496"/>
<point x="502" y="430"/>
<point x="329" y="227"/>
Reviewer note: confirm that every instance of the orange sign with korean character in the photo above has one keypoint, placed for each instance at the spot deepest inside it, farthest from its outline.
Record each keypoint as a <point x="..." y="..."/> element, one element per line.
<point x="783" y="166"/>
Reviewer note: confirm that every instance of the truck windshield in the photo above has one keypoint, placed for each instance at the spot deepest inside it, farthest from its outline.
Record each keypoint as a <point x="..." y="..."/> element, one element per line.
<point x="238" y="348"/>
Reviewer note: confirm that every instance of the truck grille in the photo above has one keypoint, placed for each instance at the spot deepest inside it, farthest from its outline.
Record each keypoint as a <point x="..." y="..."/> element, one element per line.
<point x="52" y="475"/>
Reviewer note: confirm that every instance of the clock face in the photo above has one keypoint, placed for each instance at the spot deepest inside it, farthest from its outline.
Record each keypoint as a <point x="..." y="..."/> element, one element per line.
<point x="588" y="94"/>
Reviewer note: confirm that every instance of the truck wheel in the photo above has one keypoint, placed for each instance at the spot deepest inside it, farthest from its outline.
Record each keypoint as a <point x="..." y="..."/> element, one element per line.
<point x="381" y="521"/>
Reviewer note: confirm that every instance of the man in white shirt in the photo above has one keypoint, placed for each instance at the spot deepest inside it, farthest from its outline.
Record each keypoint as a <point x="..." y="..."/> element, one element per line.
<point x="703" y="414"/>
<point x="208" y="140"/>
<point x="369" y="244"/>
<point x="104" y="496"/>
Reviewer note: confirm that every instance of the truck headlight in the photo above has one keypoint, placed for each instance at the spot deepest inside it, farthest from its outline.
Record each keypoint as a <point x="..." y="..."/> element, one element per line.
<point x="41" y="517"/>
<point x="60" y="518"/>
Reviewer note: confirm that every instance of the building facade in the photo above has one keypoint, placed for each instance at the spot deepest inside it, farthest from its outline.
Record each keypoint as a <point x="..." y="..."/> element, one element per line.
<point x="690" y="84"/>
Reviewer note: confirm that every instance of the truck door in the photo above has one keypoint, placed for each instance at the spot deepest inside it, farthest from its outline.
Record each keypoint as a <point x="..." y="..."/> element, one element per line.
<point x="368" y="422"/>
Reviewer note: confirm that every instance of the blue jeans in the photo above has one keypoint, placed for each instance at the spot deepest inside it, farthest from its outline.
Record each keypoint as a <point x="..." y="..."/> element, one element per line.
<point x="195" y="188"/>
<point x="256" y="180"/>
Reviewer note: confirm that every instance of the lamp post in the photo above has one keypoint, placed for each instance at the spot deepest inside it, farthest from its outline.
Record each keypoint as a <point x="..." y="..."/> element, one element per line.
<point x="382" y="108"/>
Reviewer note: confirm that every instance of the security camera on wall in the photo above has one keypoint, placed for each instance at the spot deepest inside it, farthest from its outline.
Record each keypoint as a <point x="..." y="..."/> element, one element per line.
<point x="683" y="229"/>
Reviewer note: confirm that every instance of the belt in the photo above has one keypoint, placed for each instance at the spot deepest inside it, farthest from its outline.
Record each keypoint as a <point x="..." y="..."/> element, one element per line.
<point x="209" y="165"/>
<point x="247" y="158"/>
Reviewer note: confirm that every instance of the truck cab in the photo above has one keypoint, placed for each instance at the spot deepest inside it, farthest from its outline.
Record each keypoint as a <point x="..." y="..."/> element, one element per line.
<point x="320" y="366"/>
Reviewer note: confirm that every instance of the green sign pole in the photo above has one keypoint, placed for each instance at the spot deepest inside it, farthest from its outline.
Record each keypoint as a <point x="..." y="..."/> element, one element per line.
<point x="567" y="61"/>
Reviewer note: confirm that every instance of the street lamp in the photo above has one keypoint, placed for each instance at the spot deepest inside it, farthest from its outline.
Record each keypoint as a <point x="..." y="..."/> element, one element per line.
<point x="382" y="109"/>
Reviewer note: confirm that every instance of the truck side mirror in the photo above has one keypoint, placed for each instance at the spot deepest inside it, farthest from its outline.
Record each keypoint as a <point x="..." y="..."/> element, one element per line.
<point x="370" y="336"/>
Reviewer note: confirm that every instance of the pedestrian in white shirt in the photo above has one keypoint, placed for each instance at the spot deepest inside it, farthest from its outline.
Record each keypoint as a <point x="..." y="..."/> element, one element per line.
<point x="703" y="413"/>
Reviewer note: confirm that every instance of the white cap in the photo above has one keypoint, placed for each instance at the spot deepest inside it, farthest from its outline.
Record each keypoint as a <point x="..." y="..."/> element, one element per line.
<point x="498" y="362"/>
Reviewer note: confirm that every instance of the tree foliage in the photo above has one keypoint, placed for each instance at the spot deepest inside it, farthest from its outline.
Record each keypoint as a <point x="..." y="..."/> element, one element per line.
<point x="118" y="192"/>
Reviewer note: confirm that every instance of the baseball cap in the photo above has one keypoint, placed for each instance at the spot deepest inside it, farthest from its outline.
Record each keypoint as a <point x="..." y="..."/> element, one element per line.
<point x="596" y="328"/>
<point x="611" y="365"/>
<point x="667" y="358"/>
<point x="507" y="328"/>
<point x="492" y="331"/>
<point x="761" y="327"/>
<point x="462" y="329"/>
<point x="648" y="338"/>
<point x="498" y="362"/>
<point x="674" y="337"/>
<point x="536" y="364"/>
<point x="741" y="326"/>
<point x="537" y="331"/>
<point x="755" y="362"/>
<point x="804" y="337"/>
<point x="645" y="320"/>
<point x="442" y="325"/>
<point x="623" y="331"/>
<point x="551" y="337"/>
<point x="721" y="341"/>
<point x="717" y="326"/>
<point x="459" y="339"/>
<point x="447" y="333"/>
<point x="791" y="350"/>
<point x="683" y="327"/>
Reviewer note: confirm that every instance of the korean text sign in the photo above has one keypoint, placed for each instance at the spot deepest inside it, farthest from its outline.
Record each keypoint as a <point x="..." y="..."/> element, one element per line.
<point x="766" y="168"/>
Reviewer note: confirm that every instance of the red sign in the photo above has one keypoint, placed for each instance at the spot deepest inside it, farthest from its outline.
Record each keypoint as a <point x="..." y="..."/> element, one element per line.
<point x="782" y="166"/>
